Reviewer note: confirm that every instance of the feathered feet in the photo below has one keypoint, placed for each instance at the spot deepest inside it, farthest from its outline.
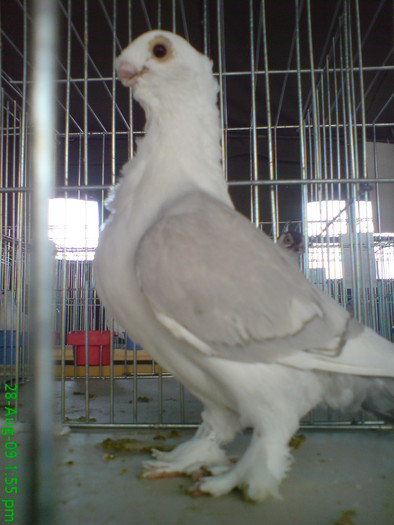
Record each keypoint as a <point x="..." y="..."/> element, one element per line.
<point x="193" y="458"/>
<point x="257" y="474"/>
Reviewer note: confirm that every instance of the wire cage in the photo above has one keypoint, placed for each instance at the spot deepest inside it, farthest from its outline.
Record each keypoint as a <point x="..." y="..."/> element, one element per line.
<point x="307" y="142"/>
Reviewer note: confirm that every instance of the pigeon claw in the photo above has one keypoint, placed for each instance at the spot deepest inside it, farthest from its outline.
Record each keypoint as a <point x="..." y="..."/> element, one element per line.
<point x="159" y="473"/>
<point x="196" y="492"/>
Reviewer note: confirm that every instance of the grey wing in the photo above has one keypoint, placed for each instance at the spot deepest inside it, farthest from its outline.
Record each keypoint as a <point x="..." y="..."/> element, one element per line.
<point x="216" y="281"/>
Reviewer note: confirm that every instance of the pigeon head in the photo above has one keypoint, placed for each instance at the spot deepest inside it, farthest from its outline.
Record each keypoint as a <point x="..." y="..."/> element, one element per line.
<point x="163" y="69"/>
<point x="292" y="241"/>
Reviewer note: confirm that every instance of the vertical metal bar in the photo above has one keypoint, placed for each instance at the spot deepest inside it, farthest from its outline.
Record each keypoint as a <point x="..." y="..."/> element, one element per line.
<point x="256" y="200"/>
<point x="43" y="118"/>
<point x="330" y="153"/>
<point x="353" y="167"/>
<point x="113" y="136"/>
<point x="345" y="144"/>
<point x="135" y="385"/>
<point x="377" y="190"/>
<point x="272" y="176"/>
<point x="160" y="395"/>
<point x="205" y="26"/>
<point x="130" y="34"/>
<point x="324" y="192"/>
<point x="182" y="402"/>
<point x="362" y="100"/>
<point x="291" y="52"/>
<point x="275" y="157"/>
<point x="111" y="376"/>
<point x="86" y="327"/>
<point x="85" y="182"/>
<point x="146" y="15"/>
<point x="129" y="19"/>
<point x="85" y="93"/>
<point x="304" y="189"/>
<point x="1" y="150"/>
<point x="174" y="16"/>
<point x="363" y="174"/>
<point x="331" y="162"/>
<point x="338" y="148"/>
<point x="113" y="150"/>
<point x="64" y="261"/>
<point x="184" y="21"/>
<point x="18" y="324"/>
<point x="317" y="163"/>
<point x="12" y="303"/>
<point x="2" y="196"/>
<point x="376" y="175"/>
<point x="1" y="147"/>
<point x="159" y="14"/>
<point x="221" y="51"/>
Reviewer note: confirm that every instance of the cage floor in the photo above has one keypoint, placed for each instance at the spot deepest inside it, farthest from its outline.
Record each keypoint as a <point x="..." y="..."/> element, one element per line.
<point x="338" y="478"/>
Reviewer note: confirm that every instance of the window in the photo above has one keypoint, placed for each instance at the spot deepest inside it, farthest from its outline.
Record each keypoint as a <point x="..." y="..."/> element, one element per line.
<point x="329" y="258"/>
<point x="384" y="255"/>
<point x="329" y="221"/>
<point x="74" y="227"/>
<point x="332" y="217"/>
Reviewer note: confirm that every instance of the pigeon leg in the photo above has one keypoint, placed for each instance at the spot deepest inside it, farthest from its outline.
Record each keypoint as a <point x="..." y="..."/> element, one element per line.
<point x="198" y="454"/>
<point x="259" y="471"/>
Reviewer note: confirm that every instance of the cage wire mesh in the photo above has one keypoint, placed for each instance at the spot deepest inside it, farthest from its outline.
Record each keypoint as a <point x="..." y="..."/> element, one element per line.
<point x="307" y="142"/>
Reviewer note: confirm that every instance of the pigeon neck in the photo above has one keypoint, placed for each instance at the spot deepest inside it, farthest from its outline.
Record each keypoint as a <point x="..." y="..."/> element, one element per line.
<point x="187" y="131"/>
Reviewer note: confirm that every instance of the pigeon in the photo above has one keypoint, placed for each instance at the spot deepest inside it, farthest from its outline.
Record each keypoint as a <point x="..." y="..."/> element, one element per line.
<point x="214" y="300"/>
<point x="292" y="241"/>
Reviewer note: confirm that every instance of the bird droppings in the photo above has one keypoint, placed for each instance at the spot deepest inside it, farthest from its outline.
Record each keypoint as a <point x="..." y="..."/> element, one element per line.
<point x="143" y="399"/>
<point x="129" y="445"/>
<point x="91" y="396"/>
<point x="346" y="518"/>
<point x="81" y="419"/>
<point x="296" y="441"/>
<point x="108" y="457"/>
<point x="174" y="434"/>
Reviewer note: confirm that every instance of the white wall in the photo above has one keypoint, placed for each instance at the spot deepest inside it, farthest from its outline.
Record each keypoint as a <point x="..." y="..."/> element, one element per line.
<point x="385" y="192"/>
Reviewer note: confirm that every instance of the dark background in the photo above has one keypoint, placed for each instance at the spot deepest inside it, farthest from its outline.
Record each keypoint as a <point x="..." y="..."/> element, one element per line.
<point x="376" y="23"/>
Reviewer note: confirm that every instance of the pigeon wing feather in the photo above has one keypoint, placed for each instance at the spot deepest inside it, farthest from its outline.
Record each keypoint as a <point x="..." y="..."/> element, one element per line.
<point x="216" y="281"/>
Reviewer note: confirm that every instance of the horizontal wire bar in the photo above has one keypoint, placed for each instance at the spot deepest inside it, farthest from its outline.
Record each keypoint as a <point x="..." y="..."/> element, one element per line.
<point x="230" y="183"/>
<point x="228" y="130"/>
<point x="238" y="128"/>
<point x="375" y="425"/>
<point x="234" y="74"/>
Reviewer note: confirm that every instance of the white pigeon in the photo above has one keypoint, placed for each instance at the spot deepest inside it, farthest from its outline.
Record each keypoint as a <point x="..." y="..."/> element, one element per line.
<point x="213" y="299"/>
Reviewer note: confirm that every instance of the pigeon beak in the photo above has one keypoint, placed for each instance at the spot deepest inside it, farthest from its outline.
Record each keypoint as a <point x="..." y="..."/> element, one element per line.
<point x="128" y="74"/>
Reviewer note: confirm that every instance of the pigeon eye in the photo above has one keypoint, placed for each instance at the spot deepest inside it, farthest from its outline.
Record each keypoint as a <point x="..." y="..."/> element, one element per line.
<point x="159" y="50"/>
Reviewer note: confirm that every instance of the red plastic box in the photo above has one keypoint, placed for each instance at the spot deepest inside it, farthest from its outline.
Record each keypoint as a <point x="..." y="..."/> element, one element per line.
<point x="96" y="339"/>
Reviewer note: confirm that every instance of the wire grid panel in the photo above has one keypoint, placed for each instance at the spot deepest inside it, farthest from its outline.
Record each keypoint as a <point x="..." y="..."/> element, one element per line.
<point x="303" y="135"/>
<point x="14" y="246"/>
